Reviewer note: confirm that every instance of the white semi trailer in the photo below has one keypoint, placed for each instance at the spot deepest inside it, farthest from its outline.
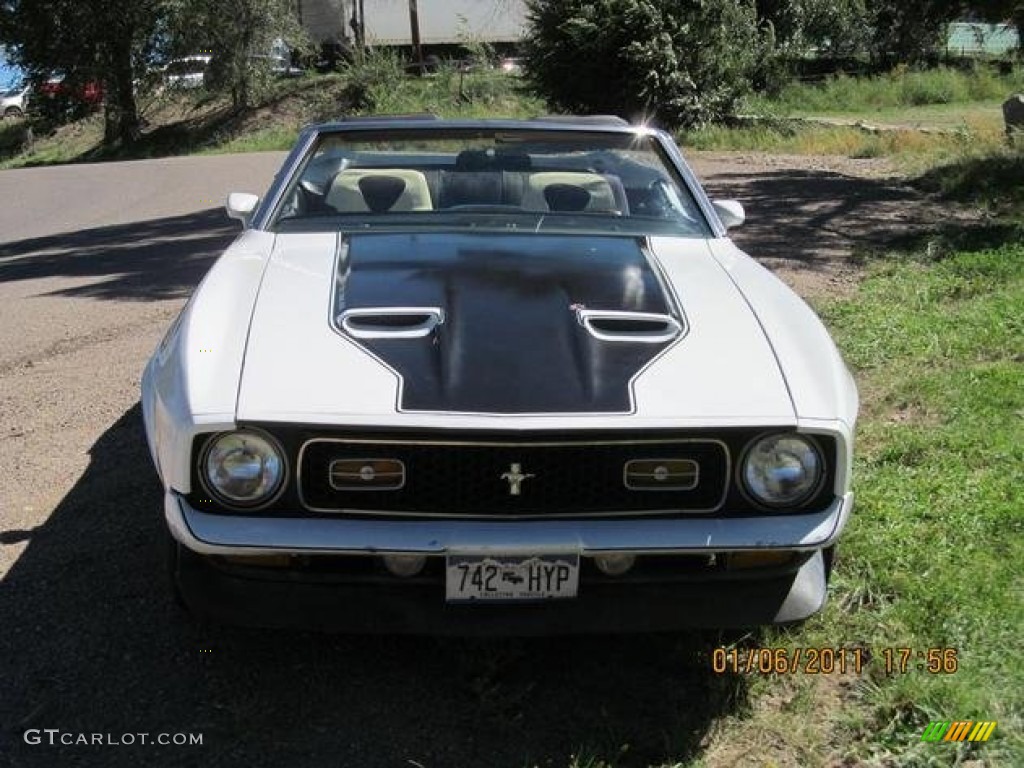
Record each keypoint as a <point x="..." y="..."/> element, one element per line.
<point x="441" y="22"/>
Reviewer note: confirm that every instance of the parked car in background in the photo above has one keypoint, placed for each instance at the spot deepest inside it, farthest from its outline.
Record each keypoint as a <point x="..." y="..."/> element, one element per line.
<point x="497" y="376"/>
<point x="511" y="65"/>
<point x="280" y="60"/>
<point x="14" y="101"/>
<point x="88" y="92"/>
<point x="278" y="65"/>
<point x="186" y="72"/>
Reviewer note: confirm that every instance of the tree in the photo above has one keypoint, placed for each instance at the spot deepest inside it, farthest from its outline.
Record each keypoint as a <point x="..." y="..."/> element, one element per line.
<point x="837" y="28"/>
<point x="1011" y="11"/>
<point x="86" y="41"/>
<point x="239" y="34"/>
<point x="687" y="62"/>
<point x="909" y="31"/>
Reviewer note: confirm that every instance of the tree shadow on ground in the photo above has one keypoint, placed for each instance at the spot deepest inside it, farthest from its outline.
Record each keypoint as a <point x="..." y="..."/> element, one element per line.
<point x="93" y="644"/>
<point x="995" y="179"/>
<point x="156" y="259"/>
<point x="810" y="219"/>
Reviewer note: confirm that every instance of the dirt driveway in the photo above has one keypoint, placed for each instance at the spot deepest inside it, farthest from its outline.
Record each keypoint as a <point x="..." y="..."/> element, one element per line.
<point x="94" y="263"/>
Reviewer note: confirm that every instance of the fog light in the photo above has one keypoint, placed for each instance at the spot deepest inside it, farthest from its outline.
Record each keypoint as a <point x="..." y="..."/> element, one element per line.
<point x="404" y="565"/>
<point x="614" y="565"/>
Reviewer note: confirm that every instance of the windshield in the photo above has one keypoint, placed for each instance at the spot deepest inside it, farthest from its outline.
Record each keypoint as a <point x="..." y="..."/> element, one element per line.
<point x="477" y="179"/>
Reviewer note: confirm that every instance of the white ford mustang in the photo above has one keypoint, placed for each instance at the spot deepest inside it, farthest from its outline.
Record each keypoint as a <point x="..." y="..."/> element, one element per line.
<point x="497" y="376"/>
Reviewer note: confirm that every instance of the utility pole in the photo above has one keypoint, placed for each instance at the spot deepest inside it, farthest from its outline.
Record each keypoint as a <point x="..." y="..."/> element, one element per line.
<point x="414" y="23"/>
<point x="362" y="25"/>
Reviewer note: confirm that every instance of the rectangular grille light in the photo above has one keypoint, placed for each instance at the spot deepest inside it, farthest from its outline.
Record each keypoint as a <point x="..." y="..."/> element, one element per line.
<point x="661" y="474"/>
<point x="367" y="474"/>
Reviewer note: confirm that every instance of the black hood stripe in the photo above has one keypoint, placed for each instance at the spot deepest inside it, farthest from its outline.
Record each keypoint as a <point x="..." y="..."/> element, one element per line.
<point x="504" y="314"/>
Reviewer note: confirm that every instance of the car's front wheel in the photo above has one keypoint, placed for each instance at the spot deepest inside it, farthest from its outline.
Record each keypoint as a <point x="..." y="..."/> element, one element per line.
<point x="12" y="112"/>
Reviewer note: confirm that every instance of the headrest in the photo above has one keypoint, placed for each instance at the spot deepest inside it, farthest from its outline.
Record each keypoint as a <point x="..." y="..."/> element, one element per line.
<point x="381" y="192"/>
<point x="566" y="197"/>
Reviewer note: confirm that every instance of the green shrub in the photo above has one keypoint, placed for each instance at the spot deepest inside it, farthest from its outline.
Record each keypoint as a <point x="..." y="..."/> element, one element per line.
<point x="372" y="80"/>
<point x="686" y="62"/>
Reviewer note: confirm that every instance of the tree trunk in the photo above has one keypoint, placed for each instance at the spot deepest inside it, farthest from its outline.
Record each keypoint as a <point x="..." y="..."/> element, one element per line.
<point x="241" y="94"/>
<point x="121" y="115"/>
<point x="1018" y="22"/>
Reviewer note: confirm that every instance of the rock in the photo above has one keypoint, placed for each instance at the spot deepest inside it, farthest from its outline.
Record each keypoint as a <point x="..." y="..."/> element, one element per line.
<point x="1013" y="114"/>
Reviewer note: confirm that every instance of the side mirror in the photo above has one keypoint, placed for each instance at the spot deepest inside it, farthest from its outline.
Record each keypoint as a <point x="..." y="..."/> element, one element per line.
<point x="241" y="206"/>
<point x="730" y="212"/>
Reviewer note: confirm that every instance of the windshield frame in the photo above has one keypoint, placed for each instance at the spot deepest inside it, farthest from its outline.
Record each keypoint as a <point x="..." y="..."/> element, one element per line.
<point x="269" y="215"/>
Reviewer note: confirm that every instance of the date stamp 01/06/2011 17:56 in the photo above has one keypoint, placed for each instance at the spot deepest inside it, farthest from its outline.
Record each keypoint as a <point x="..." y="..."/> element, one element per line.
<point x="833" y="660"/>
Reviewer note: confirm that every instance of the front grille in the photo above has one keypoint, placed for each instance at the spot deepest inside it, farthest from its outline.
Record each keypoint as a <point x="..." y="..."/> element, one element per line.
<point x="479" y="478"/>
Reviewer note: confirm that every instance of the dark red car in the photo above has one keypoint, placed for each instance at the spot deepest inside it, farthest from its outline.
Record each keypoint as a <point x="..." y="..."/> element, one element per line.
<point x="90" y="92"/>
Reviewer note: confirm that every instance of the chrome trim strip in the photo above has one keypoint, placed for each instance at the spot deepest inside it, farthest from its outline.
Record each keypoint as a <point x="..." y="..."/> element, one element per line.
<point x="586" y="318"/>
<point x="675" y="155"/>
<point x="511" y="444"/>
<point x="349" y="322"/>
<point x="515" y="443"/>
<point x="238" y="535"/>
<point x="293" y="164"/>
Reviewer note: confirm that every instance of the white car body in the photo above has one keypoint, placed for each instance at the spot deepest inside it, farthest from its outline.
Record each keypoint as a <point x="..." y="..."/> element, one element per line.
<point x="186" y="72"/>
<point x="256" y="346"/>
<point x="14" y="102"/>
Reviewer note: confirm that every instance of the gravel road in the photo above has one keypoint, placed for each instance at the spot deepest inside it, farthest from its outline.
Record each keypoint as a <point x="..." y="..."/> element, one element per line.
<point x="95" y="261"/>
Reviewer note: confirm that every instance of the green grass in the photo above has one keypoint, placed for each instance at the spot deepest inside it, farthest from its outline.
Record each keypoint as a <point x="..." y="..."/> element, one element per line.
<point x="900" y="88"/>
<point x="932" y="556"/>
<point x="930" y="117"/>
<point x="993" y="179"/>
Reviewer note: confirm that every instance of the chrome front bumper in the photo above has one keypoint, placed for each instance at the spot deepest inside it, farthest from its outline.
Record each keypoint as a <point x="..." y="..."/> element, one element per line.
<point x="208" y="534"/>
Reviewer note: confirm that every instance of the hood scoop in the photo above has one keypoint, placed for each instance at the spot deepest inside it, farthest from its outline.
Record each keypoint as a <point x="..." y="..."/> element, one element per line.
<point x="635" y="327"/>
<point x="506" y="324"/>
<point x="390" y="322"/>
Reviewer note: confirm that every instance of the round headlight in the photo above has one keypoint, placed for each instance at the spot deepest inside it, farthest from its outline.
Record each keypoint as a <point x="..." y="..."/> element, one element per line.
<point x="781" y="470"/>
<point x="243" y="468"/>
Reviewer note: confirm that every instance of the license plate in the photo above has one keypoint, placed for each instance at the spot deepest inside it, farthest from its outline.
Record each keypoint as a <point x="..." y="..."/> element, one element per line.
<point x="501" y="577"/>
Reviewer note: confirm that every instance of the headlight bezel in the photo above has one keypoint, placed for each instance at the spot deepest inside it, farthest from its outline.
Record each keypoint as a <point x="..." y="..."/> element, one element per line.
<point x="800" y="502"/>
<point x="224" y="499"/>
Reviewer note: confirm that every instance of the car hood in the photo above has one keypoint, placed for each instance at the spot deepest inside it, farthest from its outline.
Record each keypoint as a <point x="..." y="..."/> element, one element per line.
<point x="443" y="328"/>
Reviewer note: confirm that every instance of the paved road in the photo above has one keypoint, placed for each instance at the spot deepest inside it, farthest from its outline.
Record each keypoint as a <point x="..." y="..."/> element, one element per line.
<point x="94" y="263"/>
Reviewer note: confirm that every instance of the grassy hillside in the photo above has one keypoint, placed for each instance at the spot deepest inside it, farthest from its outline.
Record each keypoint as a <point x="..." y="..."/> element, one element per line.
<point x="186" y="122"/>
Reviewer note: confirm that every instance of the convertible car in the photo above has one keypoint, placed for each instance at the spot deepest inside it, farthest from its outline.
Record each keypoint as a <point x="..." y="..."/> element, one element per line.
<point x="502" y="377"/>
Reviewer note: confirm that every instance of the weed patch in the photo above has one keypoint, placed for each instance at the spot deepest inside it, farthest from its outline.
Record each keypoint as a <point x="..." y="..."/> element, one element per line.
<point x="902" y="87"/>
